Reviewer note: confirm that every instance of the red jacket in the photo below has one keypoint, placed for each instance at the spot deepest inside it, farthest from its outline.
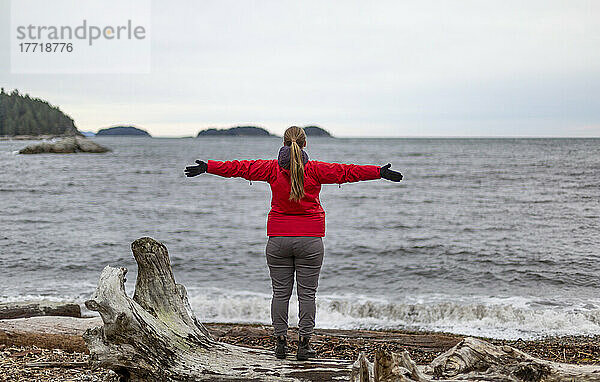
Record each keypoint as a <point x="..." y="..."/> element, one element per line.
<point x="290" y="218"/>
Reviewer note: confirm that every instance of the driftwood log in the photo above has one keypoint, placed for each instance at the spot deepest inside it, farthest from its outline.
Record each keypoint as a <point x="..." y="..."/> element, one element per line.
<point x="471" y="359"/>
<point x="25" y="309"/>
<point x="155" y="336"/>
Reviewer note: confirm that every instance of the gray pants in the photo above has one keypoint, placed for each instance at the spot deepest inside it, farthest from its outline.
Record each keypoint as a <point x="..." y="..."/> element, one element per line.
<point x="286" y="255"/>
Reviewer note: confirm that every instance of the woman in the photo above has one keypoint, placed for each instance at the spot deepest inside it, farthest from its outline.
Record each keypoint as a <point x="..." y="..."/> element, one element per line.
<point x="296" y="224"/>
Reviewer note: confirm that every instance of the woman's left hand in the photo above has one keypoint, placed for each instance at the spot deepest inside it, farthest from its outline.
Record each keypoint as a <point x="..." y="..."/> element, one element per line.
<point x="196" y="170"/>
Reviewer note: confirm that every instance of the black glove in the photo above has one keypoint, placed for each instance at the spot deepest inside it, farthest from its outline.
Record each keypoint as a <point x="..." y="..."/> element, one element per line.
<point x="196" y="170"/>
<point x="388" y="174"/>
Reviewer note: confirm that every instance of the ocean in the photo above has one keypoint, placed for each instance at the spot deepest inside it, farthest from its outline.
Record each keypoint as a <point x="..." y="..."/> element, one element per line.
<point x="487" y="237"/>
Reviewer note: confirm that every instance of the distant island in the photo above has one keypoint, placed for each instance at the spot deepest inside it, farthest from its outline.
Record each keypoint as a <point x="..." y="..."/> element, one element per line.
<point x="123" y="130"/>
<point x="22" y="115"/>
<point x="316" y="131"/>
<point x="236" y="132"/>
<point x="313" y="131"/>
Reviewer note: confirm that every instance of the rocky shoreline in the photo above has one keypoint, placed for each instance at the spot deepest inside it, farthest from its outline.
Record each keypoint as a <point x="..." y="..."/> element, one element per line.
<point x="51" y="348"/>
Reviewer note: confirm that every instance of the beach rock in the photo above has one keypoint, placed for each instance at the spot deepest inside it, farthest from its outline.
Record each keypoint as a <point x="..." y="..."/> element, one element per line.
<point x="26" y="309"/>
<point x="67" y="145"/>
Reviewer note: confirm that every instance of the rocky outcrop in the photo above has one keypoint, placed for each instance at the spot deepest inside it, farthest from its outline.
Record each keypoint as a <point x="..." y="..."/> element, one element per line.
<point x="67" y="145"/>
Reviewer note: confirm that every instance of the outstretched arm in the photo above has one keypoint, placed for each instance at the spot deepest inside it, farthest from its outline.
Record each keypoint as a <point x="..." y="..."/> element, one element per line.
<point x="258" y="170"/>
<point x="345" y="173"/>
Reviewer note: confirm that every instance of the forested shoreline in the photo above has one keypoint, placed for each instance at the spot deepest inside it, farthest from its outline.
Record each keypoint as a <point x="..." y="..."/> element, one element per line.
<point x="24" y="115"/>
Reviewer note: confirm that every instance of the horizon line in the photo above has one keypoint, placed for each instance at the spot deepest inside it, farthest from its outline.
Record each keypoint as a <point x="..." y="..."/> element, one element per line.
<point x="395" y="136"/>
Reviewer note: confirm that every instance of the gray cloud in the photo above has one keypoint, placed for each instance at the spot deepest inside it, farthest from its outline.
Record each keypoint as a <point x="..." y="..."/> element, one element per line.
<point x="383" y="68"/>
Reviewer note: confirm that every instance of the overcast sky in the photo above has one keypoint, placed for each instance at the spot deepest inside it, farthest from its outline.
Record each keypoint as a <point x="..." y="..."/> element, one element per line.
<point x="364" y="68"/>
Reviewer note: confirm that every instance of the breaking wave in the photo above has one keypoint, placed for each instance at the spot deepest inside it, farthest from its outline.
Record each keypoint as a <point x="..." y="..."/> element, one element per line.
<point x="503" y="318"/>
<point x="493" y="317"/>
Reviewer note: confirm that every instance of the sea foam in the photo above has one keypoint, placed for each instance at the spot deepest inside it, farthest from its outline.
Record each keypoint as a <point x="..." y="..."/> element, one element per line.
<point x="494" y="317"/>
<point x="503" y="318"/>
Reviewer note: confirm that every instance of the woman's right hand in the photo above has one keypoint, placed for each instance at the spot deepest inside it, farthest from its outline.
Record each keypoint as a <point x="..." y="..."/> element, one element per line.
<point x="196" y="170"/>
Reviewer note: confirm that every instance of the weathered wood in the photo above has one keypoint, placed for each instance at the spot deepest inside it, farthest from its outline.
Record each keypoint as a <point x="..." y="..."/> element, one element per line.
<point x="396" y="367"/>
<point x="51" y="324"/>
<point x="479" y="360"/>
<point x="72" y="343"/>
<point x="476" y="360"/>
<point x="25" y="309"/>
<point x="155" y="336"/>
<point x="362" y="370"/>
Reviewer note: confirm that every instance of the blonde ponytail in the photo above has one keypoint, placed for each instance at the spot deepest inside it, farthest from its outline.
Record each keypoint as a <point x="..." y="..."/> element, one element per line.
<point x="296" y="139"/>
<point x="296" y="172"/>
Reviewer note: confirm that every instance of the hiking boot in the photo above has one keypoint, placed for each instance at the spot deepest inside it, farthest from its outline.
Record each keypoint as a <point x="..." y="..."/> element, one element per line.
<point x="281" y="348"/>
<point x="304" y="350"/>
